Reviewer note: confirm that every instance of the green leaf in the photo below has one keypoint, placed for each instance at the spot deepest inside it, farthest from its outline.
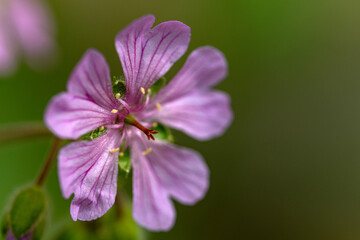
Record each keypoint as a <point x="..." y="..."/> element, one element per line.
<point x="158" y="85"/>
<point x="39" y="229"/>
<point x="5" y="224"/>
<point x="164" y="133"/>
<point x="125" y="162"/>
<point x="93" y="134"/>
<point x="118" y="86"/>
<point x="27" y="209"/>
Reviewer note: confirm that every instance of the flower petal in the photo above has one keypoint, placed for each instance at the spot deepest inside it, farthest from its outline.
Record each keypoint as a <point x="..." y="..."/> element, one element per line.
<point x="89" y="170"/>
<point x="202" y="115"/>
<point x="33" y="26"/>
<point x="204" y="68"/>
<point x="68" y="116"/>
<point x="182" y="172"/>
<point x="152" y="207"/>
<point x="147" y="54"/>
<point x="91" y="80"/>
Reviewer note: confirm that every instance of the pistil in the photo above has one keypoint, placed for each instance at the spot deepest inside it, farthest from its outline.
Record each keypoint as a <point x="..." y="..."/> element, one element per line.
<point x="148" y="132"/>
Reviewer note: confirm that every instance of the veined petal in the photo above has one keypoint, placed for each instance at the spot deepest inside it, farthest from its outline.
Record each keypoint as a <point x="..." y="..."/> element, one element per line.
<point x="147" y="54"/>
<point x="69" y="116"/>
<point x="204" y="68"/>
<point x="152" y="207"/>
<point x="33" y="27"/>
<point x="202" y="115"/>
<point x="91" y="80"/>
<point x="182" y="172"/>
<point x="89" y="170"/>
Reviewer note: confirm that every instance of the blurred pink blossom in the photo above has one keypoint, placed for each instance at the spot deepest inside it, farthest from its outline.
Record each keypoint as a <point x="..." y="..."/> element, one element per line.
<point x="26" y="29"/>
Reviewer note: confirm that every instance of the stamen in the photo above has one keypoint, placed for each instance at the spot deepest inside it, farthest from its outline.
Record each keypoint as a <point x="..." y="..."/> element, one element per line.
<point x="115" y="126"/>
<point x="121" y="154"/>
<point x="155" y="124"/>
<point x="147" y="151"/>
<point x="114" y="150"/>
<point x="91" y="135"/>
<point x="126" y="106"/>
<point x="141" y="105"/>
<point x="117" y="96"/>
<point x="158" y="106"/>
<point x="101" y="128"/>
<point x="114" y="111"/>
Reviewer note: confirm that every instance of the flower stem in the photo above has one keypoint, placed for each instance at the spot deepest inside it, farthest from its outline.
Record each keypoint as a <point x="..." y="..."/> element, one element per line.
<point x="119" y="205"/>
<point x="16" y="131"/>
<point x="49" y="161"/>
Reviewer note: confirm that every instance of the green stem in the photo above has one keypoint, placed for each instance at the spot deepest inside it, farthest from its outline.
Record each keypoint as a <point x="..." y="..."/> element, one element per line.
<point x="16" y="131"/>
<point x="49" y="161"/>
<point x="119" y="211"/>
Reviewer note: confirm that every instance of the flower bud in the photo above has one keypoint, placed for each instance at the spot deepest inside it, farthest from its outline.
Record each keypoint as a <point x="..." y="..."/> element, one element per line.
<point x="25" y="219"/>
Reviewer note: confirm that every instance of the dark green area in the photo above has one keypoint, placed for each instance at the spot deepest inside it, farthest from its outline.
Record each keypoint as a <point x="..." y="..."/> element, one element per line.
<point x="164" y="133"/>
<point x="287" y="169"/>
<point x="94" y="134"/>
<point x="26" y="210"/>
<point x="125" y="162"/>
<point x="5" y="224"/>
<point x="116" y="224"/>
<point x="158" y="85"/>
<point x="118" y="86"/>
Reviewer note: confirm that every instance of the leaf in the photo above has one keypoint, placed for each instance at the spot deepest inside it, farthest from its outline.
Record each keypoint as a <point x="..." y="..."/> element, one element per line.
<point x="28" y="207"/>
<point x="158" y="85"/>
<point x="118" y="86"/>
<point x="125" y="162"/>
<point x="5" y="224"/>
<point x="93" y="134"/>
<point x="39" y="229"/>
<point x="164" y="133"/>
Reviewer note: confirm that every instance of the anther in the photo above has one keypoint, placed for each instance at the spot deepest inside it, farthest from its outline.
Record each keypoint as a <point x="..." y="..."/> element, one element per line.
<point x="117" y="96"/>
<point x="121" y="154"/>
<point x="101" y="128"/>
<point x="114" y="150"/>
<point x="158" y="106"/>
<point x="142" y="90"/>
<point x="114" y="111"/>
<point x="148" y="91"/>
<point x="155" y="124"/>
<point x="147" y="151"/>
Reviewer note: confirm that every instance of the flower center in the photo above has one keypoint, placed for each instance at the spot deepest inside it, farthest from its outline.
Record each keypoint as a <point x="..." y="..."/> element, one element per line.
<point x="129" y="119"/>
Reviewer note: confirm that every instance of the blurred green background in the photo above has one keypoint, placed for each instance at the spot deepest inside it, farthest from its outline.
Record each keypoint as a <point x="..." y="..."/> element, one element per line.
<point x="287" y="168"/>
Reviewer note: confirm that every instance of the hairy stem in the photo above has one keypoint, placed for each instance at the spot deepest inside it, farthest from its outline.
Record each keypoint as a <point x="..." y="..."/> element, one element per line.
<point x="16" y="131"/>
<point x="49" y="161"/>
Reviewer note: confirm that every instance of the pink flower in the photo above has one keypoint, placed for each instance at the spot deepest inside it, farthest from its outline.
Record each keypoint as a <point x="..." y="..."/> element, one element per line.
<point x="25" y="27"/>
<point x="161" y="170"/>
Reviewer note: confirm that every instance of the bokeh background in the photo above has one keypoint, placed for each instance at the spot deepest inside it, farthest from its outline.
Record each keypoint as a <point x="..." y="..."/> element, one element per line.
<point x="287" y="168"/>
